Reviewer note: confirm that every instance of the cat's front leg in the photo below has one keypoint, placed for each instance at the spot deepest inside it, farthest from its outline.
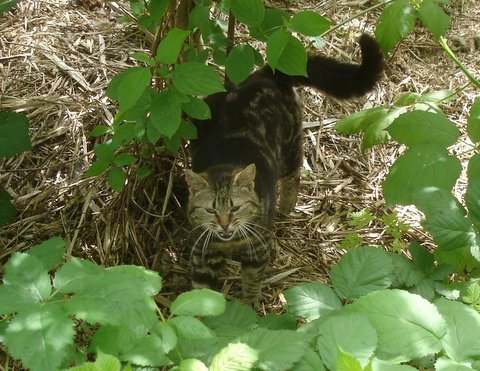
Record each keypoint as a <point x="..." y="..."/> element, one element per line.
<point x="253" y="274"/>
<point x="206" y="270"/>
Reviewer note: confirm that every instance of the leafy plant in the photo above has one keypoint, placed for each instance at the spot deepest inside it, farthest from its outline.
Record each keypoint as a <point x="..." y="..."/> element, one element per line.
<point x="379" y="327"/>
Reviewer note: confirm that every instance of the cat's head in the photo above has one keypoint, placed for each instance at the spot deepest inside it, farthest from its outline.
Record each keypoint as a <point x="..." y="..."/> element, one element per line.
<point x="223" y="200"/>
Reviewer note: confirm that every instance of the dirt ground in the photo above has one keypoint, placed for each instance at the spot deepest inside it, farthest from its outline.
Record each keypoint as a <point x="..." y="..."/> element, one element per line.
<point x="58" y="56"/>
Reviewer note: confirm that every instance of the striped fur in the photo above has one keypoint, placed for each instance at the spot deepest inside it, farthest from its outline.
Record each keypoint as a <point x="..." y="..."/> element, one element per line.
<point x="252" y="142"/>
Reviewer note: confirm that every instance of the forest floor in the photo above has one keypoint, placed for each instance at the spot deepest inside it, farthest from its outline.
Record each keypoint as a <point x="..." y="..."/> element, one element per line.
<point x="56" y="60"/>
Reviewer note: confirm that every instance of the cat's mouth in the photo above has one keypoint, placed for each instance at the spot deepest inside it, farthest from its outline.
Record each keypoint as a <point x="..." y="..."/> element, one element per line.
<point x="226" y="234"/>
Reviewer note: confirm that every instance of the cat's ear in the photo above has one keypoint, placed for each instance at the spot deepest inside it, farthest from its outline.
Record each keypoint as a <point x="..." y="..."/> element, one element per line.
<point x="246" y="177"/>
<point x="194" y="181"/>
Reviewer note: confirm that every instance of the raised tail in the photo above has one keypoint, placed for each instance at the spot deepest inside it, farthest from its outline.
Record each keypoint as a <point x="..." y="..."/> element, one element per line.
<point x="343" y="80"/>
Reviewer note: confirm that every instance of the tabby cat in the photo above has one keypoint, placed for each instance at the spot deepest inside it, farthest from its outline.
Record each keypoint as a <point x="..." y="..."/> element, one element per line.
<point x="252" y="141"/>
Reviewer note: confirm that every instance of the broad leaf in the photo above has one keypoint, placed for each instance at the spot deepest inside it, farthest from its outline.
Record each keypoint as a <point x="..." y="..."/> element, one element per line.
<point x="362" y="271"/>
<point x="166" y="112"/>
<point x="447" y="364"/>
<point x="359" y="121"/>
<point x="396" y="22"/>
<point x="433" y="17"/>
<point x="406" y="324"/>
<point x="197" y="109"/>
<point x="169" y="48"/>
<point x="250" y="12"/>
<point x="472" y="196"/>
<point x="236" y="315"/>
<point x="191" y="364"/>
<point x="445" y="219"/>
<point x="311" y="300"/>
<point x="7" y="210"/>
<point x="7" y="5"/>
<point x="473" y="122"/>
<point x="157" y="9"/>
<point x="379" y="365"/>
<point x="463" y="326"/>
<point x="128" y="86"/>
<point x="420" y="127"/>
<point x="41" y="337"/>
<point x="419" y="167"/>
<point x="310" y="361"/>
<point x="239" y="63"/>
<point x="116" y="178"/>
<point x="14" y="137"/>
<point x="190" y="328"/>
<point x="352" y="333"/>
<point x="14" y="299"/>
<point x="273" y="20"/>
<point x="194" y="78"/>
<point x="234" y="357"/>
<point x="309" y="23"/>
<point x="104" y="362"/>
<point x="287" y="54"/>
<point x="346" y="362"/>
<point x="49" y="252"/>
<point x="277" y="350"/>
<point x="28" y="273"/>
<point x="199" y="302"/>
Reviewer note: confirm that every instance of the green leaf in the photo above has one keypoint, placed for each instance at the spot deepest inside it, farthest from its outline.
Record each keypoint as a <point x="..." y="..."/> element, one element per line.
<point x="352" y="333"/>
<point x="28" y="273"/>
<point x="309" y="23"/>
<point x="346" y="362"/>
<point x="473" y="122"/>
<point x="166" y="113"/>
<point x="311" y="300"/>
<point x="124" y="159"/>
<point x="157" y="9"/>
<point x="407" y="325"/>
<point x="287" y="54"/>
<point x="447" y="364"/>
<point x="100" y="130"/>
<point x="199" y="302"/>
<point x="150" y="351"/>
<point x="362" y="271"/>
<point x="14" y="299"/>
<point x="445" y="218"/>
<point x="169" y="48"/>
<point x="234" y="357"/>
<point x="396" y="22"/>
<point x="104" y="362"/>
<point x="199" y="17"/>
<point x="437" y="96"/>
<point x="97" y="168"/>
<point x="116" y="179"/>
<point x="463" y="325"/>
<point x="41" y="337"/>
<point x="14" y="137"/>
<point x="190" y="328"/>
<point x="239" y="63"/>
<point x="7" y="5"/>
<point x="191" y="365"/>
<point x="472" y="195"/>
<point x="104" y="151"/>
<point x="277" y="350"/>
<point x="420" y="127"/>
<point x="419" y="167"/>
<point x="273" y="20"/>
<point x="194" y="78"/>
<point x="374" y="132"/>
<point x="359" y="121"/>
<point x="197" y="109"/>
<point x="237" y="315"/>
<point x="271" y="321"/>
<point x="433" y="17"/>
<point x="128" y="86"/>
<point x="7" y="210"/>
<point x="379" y="365"/>
<point x="250" y="12"/>
<point x="310" y="361"/>
<point x="49" y="252"/>
<point x="407" y="99"/>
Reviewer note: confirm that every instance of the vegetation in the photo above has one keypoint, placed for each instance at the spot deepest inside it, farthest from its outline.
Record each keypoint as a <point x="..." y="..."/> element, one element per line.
<point x="383" y="312"/>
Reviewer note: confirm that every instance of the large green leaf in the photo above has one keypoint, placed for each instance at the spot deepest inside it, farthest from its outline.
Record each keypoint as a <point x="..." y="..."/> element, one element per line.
<point x="310" y="361"/>
<point x="129" y="86"/>
<point x="190" y="328"/>
<point x="250" y="12"/>
<point x="195" y="78"/>
<point x="359" y="121"/>
<point x="7" y="5"/>
<point x="311" y="300"/>
<point x="7" y="210"/>
<point x="287" y="54"/>
<point x="116" y="178"/>
<point x="166" y="112"/>
<point x="463" y="326"/>
<point x="197" y="109"/>
<point x="433" y="17"/>
<point x="445" y="218"/>
<point x="277" y="350"/>
<point x="407" y="325"/>
<point x="234" y="357"/>
<point x="362" y="271"/>
<point x="15" y="299"/>
<point x="396" y="22"/>
<point x="14" y="137"/>
<point x="352" y="333"/>
<point x="309" y="23"/>
<point x="473" y="122"/>
<point x="420" y="166"/>
<point x="169" y="48"/>
<point x="49" y="252"/>
<point x="199" y="302"/>
<point x="237" y="315"/>
<point x="472" y="196"/>
<point x="41" y="337"/>
<point x="239" y="63"/>
<point x="420" y="127"/>
<point x="273" y="20"/>
<point x="447" y="364"/>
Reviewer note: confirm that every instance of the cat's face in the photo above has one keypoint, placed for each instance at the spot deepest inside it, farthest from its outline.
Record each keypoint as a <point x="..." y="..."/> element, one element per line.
<point x="225" y="207"/>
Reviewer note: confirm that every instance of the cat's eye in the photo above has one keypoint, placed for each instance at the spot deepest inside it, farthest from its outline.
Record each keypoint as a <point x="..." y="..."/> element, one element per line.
<point x="210" y="211"/>
<point x="235" y="208"/>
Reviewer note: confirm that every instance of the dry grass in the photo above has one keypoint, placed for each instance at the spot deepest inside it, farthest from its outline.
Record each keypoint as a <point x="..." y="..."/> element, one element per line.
<point x="56" y="59"/>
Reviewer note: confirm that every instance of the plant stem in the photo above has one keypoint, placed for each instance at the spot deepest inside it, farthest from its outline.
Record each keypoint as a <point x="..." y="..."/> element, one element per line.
<point x="336" y="27"/>
<point x="460" y="65"/>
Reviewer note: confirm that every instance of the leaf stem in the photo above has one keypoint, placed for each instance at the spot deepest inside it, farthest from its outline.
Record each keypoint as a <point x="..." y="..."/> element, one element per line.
<point x="460" y="65"/>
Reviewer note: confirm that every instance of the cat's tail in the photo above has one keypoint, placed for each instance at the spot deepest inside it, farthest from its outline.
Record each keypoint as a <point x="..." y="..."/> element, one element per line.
<point x="344" y="80"/>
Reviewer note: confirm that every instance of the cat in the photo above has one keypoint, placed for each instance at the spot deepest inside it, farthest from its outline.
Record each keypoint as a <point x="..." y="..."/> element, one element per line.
<point x="252" y="141"/>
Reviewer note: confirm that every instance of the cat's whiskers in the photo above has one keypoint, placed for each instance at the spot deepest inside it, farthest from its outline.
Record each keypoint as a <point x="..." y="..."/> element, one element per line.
<point x="207" y="242"/>
<point x="248" y="240"/>
<point x="206" y="231"/>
